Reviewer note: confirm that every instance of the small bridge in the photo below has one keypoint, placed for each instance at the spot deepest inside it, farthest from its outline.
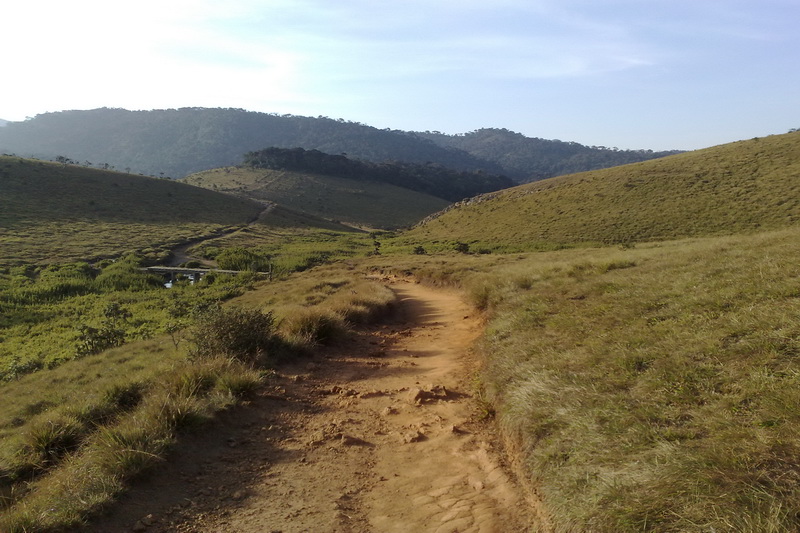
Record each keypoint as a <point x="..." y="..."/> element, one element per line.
<point x="194" y="274"/>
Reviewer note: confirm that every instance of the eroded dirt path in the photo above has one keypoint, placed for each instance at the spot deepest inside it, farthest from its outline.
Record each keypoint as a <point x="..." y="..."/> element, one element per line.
<point x="379" y="434"/>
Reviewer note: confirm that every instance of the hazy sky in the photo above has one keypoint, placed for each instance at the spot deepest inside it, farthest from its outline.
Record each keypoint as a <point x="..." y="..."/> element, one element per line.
<point x="657" y="74"/>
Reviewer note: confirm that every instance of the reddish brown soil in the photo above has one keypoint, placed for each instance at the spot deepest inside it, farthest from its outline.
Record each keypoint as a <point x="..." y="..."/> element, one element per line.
<point x="377" y="434"/>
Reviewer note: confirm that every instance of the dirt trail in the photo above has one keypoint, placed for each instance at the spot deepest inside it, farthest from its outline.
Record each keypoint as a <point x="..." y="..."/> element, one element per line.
<point x="379" y="434"/>
<point x="180" y="253"/>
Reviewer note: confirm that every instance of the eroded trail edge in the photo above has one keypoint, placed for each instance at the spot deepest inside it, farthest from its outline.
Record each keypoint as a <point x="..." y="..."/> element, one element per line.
<point x="378" y="434"/>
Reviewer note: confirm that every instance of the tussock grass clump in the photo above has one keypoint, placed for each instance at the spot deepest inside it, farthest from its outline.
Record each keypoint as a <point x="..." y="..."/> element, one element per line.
<point x="307" y="327"/>
<point x="362" y="302"/>
<point x="480" y="291"/>
<point x="50" y="440"/>
<point x="57" y="432"/>
<point x="322" y="304"/>
<point x="332" y="309"/>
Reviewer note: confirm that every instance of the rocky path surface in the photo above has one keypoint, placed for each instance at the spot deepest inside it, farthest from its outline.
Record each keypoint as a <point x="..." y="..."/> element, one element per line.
<point x="378" y="434"/>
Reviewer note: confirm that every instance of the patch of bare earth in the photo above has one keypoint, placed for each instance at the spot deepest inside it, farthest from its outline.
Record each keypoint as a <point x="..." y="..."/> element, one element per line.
<point x="378" y="434"/>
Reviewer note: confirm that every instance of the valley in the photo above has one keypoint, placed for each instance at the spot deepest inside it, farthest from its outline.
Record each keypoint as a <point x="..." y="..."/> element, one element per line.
<point x="611" y="350"/>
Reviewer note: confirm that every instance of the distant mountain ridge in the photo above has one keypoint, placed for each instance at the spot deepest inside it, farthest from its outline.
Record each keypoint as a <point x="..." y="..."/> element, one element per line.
<point x="178" y="142"/>
<point x="3" y="122"/>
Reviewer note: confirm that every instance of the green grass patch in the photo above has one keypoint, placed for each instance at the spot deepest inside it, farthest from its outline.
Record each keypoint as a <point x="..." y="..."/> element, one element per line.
<point x="61" y="312"/>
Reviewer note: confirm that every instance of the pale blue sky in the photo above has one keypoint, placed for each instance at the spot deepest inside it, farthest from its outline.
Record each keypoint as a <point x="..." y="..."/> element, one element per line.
<point x="657" y="74"/>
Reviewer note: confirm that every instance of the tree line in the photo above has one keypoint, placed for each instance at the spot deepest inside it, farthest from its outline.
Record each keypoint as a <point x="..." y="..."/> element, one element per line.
<point x="431" y="178"/>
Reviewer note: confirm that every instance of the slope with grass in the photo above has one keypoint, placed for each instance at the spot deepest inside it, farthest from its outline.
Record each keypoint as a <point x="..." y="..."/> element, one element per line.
<point x="649" y="387"/>
<point x="641" y="388"/>
<point x="652" y="388"/>
<point x="738" y="187"/>
<point x="355" y="202"/>
<point x="52" y="212"/>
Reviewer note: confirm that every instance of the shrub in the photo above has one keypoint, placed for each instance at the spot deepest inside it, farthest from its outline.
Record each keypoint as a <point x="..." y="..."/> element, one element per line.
<point x="95" y="340"/>
<point x="126" y="274"/>
<point x="461" y="247"/>
<point x="243" y="334"/>
<point x="242" y="259"/>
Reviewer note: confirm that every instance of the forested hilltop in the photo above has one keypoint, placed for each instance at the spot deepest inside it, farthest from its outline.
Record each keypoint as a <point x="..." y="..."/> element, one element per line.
<point x="178" y="142"/>
<point x="429" y="178"/>
<point x="529" y="159"/>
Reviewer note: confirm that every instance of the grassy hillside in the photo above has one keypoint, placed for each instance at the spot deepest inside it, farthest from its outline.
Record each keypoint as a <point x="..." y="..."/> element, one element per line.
<point x="649" y="387"/>
<point x="645" y="389"/>
<point x="738" y="187"/>
<point x="356" y="202"/>
<point x="51" y="212"/>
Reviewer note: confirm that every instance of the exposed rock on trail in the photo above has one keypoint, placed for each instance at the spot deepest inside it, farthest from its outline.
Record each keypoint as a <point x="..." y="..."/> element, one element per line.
<point x="378" y="434"/>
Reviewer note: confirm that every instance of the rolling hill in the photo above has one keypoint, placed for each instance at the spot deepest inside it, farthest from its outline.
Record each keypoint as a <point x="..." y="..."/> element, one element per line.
<point x="733" y="188"/>
<point x="356" y="202"/>
<point x="178" y="142"/>
<point x="51" y="212"/>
